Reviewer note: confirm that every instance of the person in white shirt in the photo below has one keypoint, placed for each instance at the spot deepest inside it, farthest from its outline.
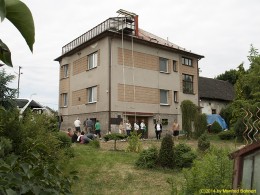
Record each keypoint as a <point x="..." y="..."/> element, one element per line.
<point x="143" y="128"/>
<point x="128" y="127"/>
<point x="158" y="130"/>
<point x="77" y="124"/>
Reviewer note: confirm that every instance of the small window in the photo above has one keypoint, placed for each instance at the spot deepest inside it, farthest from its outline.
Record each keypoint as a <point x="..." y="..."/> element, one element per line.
<point x="163" y="65"/>
<point x="66" y="70"/>
<point x="64" y="100"/>
<point x="175" y="96"/>
<point x="164" y="121"/>
<point x="164" y="97"/>
<point x="187" y="83"/>
<point x="186" y="61"/>
<point x="175" y="68"/>
<point x="92" y="94"/>
<point x="92" y="60"/>
<point x="213" y="111"/>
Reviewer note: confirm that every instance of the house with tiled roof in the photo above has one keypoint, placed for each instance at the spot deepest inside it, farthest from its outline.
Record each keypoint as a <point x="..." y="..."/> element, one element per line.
<point x="116" y="72"/>
<point x="214" y="95"/>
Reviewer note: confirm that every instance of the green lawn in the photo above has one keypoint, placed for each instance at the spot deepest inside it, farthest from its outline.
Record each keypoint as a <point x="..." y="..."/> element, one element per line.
<point x="104" y="171"/>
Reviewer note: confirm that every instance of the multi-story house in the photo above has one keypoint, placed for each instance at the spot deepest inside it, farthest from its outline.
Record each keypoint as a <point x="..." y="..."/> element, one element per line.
<point x="117" y="71"/>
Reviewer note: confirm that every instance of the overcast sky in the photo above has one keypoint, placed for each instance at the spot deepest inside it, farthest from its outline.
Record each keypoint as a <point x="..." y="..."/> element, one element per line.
<point x="220" y="30"/>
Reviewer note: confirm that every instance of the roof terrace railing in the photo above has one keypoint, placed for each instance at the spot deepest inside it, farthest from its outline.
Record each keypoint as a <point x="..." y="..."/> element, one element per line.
<point x="114" y="24"/>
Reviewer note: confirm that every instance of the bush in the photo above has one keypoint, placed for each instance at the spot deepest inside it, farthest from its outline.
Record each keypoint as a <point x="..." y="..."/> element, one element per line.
<point x="214" y="171"/>
<point x="227" y="135"/>
<point x="148" y="158"/>
<point x="200" y="124"/>
<point x="203" y="142"/>
<point x="95" y="144"/>
<point x="165" y="158"/>
<point x="134" y="144"/>
<point x="239" y="128"/>
<point x="183" y="156"/>
<point x="115" y="137"/>
<point x="215" y="127"/>
<point x="65" y="140"/>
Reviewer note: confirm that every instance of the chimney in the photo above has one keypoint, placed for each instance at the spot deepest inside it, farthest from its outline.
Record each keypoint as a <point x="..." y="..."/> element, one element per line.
<point x="136" y="25"/>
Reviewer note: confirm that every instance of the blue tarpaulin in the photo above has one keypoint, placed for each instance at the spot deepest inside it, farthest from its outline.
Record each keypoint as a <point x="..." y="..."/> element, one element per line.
<point x="211" y="118"/>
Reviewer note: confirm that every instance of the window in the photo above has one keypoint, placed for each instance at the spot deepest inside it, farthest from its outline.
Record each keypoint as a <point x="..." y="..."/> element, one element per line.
<point x="164" y="97"/>
<point x="175" y="96"/>
<point x="92" y="94"/>
<point x="213" y="111"/>
<point x="92" y="60"/>
<point x="175" y="68"/>
<point x="187" y="83"/>
<point x="64" y="100"/>
<point x="163" y="64"/>
<point x="164" y="121"/>
<point x="186" y="61"/>
<point x="66" y="70"/>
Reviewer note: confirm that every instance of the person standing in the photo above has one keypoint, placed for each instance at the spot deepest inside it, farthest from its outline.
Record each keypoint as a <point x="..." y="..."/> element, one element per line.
<point x="89" y="124"/>
<point x="97" y="129"/>
<point x="128" y="127"/>
<point x="158" y="130"/>
<point x="143" y="128"/>
<point x="176" y="129"/>
<point x="136" y="127"/>
<point x="121" y="128"/>
<point x="77" y="124"/>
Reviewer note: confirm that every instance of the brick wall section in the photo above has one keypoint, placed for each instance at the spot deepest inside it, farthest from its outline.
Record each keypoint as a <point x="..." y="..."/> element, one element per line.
<point x="79" y="97"/>
<point x="64" y="85"/>
<point x="190" y="71"/>
<point x="80" y="65"/>
<point x="141" y="60"/>
<point x="142" y="94"/>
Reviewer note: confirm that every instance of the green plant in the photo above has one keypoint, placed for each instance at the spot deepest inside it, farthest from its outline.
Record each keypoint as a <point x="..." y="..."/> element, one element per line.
<point x="65" y="140"/>
<point x="215" y="127"/>
<point x="166" y="158"/>
<point x="213" y="171"/>
<point x="183" y="156"/>
<point x="227" y="135"/>
<point x="147" y="158"/>
<point x="115" y="137"/>
<point x="203" y="142"/>
<point x="95" y="144"/>
<point x="134" y="144"/>
<point x="200" y="124"/>
<point x="189" y="110"/>
<point x="20" y="15"/>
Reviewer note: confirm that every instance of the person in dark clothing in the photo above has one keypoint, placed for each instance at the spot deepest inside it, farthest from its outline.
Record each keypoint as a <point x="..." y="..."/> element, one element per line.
<point x="74" y="137"/>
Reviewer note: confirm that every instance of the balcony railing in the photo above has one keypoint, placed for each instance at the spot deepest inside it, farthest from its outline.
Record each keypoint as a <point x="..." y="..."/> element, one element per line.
<point x="113" y="24"/>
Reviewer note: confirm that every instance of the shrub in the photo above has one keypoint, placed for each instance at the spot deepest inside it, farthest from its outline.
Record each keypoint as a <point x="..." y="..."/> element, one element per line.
<point x="200" y="124"/>
<point x="165" y="158"/>
<point x="134" y="144"/>
<point x="215" y="127"/>
<point x="227" y="135"/>
<point x="65" y="140"/>
<point x="95" y="144"/>
<point x="203" y="142"/>
<point x="213" y="171"/>
<point x="239" y="128"/>
<point x="5" y="147"/>
<point x="115" y="137"/>
<point x="183" y="156"/>
<point x="148" y="158"/>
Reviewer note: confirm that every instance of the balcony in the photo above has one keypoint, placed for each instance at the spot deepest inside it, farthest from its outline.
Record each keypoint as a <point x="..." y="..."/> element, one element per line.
<point x="116" y="24"/>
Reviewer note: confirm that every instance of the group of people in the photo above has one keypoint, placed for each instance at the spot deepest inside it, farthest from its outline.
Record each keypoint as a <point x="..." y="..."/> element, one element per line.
<point x="90" y="131"/>
<point x="175" y="129"/>
<point x="127" y="128"/>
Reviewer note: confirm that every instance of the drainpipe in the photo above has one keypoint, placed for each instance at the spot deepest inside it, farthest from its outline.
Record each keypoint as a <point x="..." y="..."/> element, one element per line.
<point x="136" y="25"/>
<point x="109" y="83"/>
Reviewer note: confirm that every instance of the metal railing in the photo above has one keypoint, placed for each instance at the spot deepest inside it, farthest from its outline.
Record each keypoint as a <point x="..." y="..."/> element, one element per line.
<point x="113" y="24"/>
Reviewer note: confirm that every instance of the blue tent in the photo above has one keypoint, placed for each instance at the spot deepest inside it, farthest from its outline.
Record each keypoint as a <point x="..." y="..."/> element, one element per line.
<point x="211" y="118"/>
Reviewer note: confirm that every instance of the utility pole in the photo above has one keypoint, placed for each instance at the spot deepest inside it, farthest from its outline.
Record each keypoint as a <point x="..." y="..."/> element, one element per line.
<point x="19" y="73"/>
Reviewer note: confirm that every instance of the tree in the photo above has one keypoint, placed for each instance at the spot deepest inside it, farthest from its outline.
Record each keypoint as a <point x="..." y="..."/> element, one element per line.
<point x="20" y="16"/>
<point x="188" y="109"/>
<point x="230" y="75"/>
<point x="7" y="94"/>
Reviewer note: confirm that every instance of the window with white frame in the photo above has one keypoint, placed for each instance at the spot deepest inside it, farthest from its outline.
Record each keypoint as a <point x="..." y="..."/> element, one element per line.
<point x="186" y="61"/>
<point x="187" y="83"/>
<point x="64" y="100"/>
<point x="92" y="60"/>
<point x="163" y="64"/>
<point x="66" y="70"/>
<point x="175" y="96"/>
<point x="92" y="94"/>
<point x="164" y="97"/>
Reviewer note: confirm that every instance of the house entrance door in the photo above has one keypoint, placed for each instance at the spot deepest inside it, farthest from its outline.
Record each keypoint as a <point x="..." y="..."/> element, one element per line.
<point x="139" y="120"/>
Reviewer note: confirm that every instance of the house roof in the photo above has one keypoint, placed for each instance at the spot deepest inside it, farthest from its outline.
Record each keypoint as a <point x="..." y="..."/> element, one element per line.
<point x="215" y="89"/>
<point x="108" y="26"/>
<point x="22" y="102"/>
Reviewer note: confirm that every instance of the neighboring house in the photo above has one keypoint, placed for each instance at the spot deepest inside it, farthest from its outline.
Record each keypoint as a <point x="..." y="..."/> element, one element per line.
<point x="214" y="95"/>
<point x="25" y="103"/>
<point x="118" y="71"/>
